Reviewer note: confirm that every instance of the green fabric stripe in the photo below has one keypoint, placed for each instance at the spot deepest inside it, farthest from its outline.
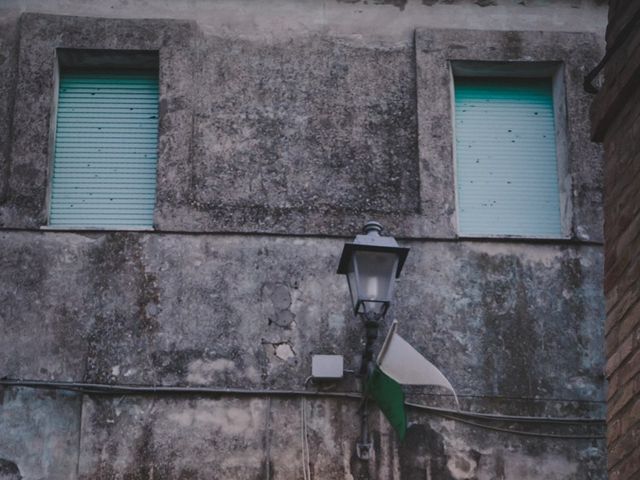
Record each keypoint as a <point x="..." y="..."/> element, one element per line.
<point x="389" y="396"/>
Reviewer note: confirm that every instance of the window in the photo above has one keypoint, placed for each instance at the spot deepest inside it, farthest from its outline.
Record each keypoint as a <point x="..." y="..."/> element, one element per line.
<point x="106" y="141"/>
<point x="506" y="157"/>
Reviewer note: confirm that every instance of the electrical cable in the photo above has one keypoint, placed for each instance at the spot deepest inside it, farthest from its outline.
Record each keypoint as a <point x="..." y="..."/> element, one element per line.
<point x="514" y="397"/>
<point x="457" y="415"/>
<point x="108" y="389"/>
<point x="505" y="418"/>
<point x="302" y="440"/>
<point x="267" y="438"/>
<point x="307" y="456"/>
<point x="528" y="434"/>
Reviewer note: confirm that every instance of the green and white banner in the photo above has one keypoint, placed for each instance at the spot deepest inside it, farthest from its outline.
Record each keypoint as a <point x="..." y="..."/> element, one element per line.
<point x="400" y="364"/>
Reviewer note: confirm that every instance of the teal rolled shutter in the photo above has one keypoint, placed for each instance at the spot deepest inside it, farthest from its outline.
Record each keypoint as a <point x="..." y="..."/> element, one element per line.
<point x="106" y="142"/>
<point x="507" y="171"/>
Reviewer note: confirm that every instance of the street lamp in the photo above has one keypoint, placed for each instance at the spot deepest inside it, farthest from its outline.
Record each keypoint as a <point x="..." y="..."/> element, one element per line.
<point x="371" y="263"/>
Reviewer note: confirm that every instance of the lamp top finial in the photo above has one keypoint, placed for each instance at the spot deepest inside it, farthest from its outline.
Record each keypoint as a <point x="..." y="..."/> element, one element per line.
<point x="372" y="226"/>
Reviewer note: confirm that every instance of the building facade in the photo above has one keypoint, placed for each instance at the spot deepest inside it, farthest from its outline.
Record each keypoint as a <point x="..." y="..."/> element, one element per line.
<point x="616" y="123"/>
<point x="178" y="179"/>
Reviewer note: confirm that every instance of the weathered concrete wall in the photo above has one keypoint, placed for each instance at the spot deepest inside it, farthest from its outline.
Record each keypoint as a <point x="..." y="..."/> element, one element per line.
<point x="40" y="434"/>
<point x="8" y="68"/>
<point x="212" y="311"/>
<point x="282" y="128"/>
<point x="376" y="19"/>
<point x="304" y="137"/>
<point x="261" y="439"/>
<point x="154" y="308"/>
<point x="616" y="123"/>
<point x="287" y="132"/>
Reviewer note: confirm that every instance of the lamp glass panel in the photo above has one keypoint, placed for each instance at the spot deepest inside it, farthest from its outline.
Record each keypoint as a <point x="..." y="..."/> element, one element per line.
<point x="376" y="275"/>
<point x="352" y="278"/>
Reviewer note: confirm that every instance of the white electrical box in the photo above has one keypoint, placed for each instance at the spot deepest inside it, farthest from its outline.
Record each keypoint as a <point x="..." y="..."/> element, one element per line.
<point x="327" y="367"/>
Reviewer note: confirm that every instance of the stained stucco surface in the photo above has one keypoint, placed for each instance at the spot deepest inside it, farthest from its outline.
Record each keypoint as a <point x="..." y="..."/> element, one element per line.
<point x="306" y="136"/>
<point x="213" y="311"/>
<point x="274" y="149"/>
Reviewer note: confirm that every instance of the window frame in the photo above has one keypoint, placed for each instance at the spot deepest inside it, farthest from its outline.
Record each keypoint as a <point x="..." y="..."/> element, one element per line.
<point x="69" y="58"/>
<point x="435" y="50"/>
<point x="552" y="70"/>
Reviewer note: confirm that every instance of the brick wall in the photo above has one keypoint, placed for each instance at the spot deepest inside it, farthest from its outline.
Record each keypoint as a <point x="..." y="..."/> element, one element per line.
<point x="616" y="123"/>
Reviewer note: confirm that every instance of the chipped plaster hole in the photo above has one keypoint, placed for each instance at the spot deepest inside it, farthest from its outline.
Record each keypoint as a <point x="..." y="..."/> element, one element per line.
<point x="283" y="351"/>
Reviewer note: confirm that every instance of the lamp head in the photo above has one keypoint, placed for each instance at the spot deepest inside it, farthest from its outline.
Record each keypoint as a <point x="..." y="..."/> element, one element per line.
<point x="372" y="263"/>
